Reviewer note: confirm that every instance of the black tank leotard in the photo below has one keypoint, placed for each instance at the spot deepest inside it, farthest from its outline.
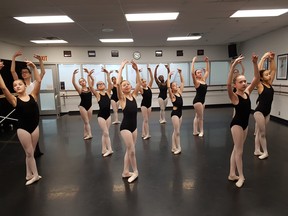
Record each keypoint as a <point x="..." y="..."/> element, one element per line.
<point x="163" y="91"/>
<point x="265" y="100"/>
<point x="86" y="99"/>
<point x="178" y="103"/>
<point x="147" y="98"/>
<point x="28" y="114"/>
<point x="242" y="112"/>
<point x="104" y="106"/>
<point x="200" y="94"/>
<point x="129" y="121"/>
<point x="114" y="95"/>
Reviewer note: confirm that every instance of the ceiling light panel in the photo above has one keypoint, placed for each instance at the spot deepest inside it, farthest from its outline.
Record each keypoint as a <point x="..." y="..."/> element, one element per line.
<point x="120" y="40"/>
<point x="48" y="41"/>
<point x="183" y="38"/>
<point x="44" y="19"/>
<point x="152" y="16"/>
<point x="259" y="13"/>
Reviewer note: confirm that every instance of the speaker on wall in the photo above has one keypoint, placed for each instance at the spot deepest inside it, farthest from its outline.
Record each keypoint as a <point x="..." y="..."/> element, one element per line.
<point x="232" y="50"/>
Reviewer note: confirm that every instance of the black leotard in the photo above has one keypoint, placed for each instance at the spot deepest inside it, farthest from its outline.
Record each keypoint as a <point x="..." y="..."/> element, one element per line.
<point x="28" y="114"/>
<point x="242" y="112"/>
<point x="147" y="98"/>
<point x="114" y="95"/>
<point x="200" y="94"/>
<point x="129" y="121"/>
<point x="86" y="99"/>
<point x="104" y="106"/>
<point x="265" y="100"/>
<point x="178" y="103"/>
<point x="163" y="91"/>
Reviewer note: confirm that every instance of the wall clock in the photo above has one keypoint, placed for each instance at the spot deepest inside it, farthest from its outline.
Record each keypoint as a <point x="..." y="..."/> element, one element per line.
<point x="136" y="55"/>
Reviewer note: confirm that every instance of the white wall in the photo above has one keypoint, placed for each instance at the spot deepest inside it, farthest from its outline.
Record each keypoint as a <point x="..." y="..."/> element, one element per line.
<point x="277" y="42"/>
<point x="7" y="50"/>
<point x="103" y="54"/>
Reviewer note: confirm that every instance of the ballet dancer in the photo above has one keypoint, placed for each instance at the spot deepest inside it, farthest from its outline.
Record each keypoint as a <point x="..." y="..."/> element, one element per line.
<point x="199" y="81"/>
<point x="239" y="124"/>
<point x="263" y="109"/>
<point x="128" y="127"/>
<point x="146" y="103"/>
<point x="28" y="118"/>
<point x="85" y="106"/>
<point x="104" y="118"/>
<point x="175" y="93"/>
<point x="162" y="97"/>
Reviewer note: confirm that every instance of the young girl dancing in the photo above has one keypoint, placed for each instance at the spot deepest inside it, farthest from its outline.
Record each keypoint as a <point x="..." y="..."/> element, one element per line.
<point x="28" y="118"/>
<point x="239" y="125"/>
<point x="128" y="127"/>
<point x="104" y="118"/>
<point x="176" y="114"/>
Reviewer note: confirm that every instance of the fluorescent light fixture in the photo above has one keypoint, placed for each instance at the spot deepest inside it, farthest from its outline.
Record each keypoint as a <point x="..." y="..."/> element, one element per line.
<point x="259" y="13"/>
<point x="183" y="38"/>
<point x="44" y="19"/>
<point x="152" y="16"/>
<point x="48" y="41"/>
<point x="123" y="40"/>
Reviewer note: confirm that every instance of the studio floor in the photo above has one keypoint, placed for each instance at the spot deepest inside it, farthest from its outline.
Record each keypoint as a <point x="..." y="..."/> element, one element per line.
<point x="78" y="181"/>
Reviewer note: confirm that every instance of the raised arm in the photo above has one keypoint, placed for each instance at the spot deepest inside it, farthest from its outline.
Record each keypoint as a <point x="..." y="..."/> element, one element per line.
<point x="171" y="95"/>
<point x="242" y="68"/>
<point x="233" y="97"/>
<point x="42" y="69"/>
<point x="109" y="83"/>
<point x="119" y="79"/>
<point x="90" y="78"/>
<point x="37" y="79"/>
<point x="272" y="66"/>
<point x="11" y="98"/>
<point x="155" y="75"/>
<point x="13" y="65"/>
<point x="150" y="77"/>
<point x="193" y="71"/>
<point x="207" y="70"/>
<point x="256" y="78"/>
<point x="181" y="80"/>
<point x="262" y="61"/>
<point x="77" y="88"/>
<point x="138" y="79"/>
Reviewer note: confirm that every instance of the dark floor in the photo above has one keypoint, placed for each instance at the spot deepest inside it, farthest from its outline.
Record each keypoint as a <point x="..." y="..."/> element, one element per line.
<point x="77" y="180"/>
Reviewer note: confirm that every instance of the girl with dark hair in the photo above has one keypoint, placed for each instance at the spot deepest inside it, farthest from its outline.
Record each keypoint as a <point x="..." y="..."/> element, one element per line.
<point x="262" y="111"/>
<point x="175" y="94"/>
<point x="162" y="97"/>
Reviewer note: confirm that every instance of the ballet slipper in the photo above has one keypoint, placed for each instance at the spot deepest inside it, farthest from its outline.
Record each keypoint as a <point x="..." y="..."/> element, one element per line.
<point x="201" y="134"/>
<point x="107" y="153"/>
<point x="263" y="156"/>
<point x="33" y="180"/>
<point x="178" y="151"/>
<point x="195" y="133"/>
<point x="127" y="175"/>
<point x="233" y="178"/>
<point x="133" y="177"/>
<point x="146" y="137"/>
<point x="240" y="183"/>
<point x="258" y="153"/>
